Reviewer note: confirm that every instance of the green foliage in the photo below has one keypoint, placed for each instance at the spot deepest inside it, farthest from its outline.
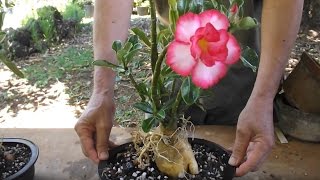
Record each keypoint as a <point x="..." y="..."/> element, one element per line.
<point x="250" y="58"/>
<point x="4" y="50"/>
<point x="57" y="67"/>
<point x="48" y="18"/>
<point x="82" y="3"/>
<point x="33" y="26"/>
<point x="73" y="12"/>
<point x="189" y="92"/>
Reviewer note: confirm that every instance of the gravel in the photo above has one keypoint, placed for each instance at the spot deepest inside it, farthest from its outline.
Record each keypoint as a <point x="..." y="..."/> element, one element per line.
<point x="211" y="166"/>
<point x="13" y="157"/>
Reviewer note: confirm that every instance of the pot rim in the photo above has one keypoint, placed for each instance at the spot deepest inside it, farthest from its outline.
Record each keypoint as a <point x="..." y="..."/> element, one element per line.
<point x="212" y="145"/>
<point x="34" y="154"/>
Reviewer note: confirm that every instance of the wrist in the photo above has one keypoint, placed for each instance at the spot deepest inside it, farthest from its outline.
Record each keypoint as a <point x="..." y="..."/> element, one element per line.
<point x="261" y="99"/>
<point x="104" y="80"/>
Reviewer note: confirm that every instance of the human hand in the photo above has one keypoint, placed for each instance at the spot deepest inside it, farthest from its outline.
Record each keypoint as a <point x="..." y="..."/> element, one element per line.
<point x="254" y="136"/>
<point x="94" y="126"/>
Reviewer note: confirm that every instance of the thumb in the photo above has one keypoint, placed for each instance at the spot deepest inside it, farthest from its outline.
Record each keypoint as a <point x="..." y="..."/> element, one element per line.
<point x="240" y="148"/>
<point x="103" y="133"/>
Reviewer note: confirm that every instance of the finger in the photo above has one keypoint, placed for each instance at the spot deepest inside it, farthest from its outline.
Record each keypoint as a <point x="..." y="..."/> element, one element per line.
<point x="102" y="145"/>
<point x="256" y="156"/>
<point x="88" y="149"/>
<point x="239" y="148"/>
<point x="87" y="143"/>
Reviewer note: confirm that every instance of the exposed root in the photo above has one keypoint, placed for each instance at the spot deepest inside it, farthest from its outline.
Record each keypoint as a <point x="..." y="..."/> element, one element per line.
<point x="169" y="149"/>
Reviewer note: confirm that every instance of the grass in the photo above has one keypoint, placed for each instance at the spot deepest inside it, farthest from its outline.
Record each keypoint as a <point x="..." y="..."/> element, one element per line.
<point x="71" y="60"/>
<point x="72" y="67"/>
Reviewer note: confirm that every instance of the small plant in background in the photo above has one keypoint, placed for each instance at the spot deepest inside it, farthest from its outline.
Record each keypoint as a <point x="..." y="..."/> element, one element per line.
<point x="82" y="3"/>
<point x="73" y="13"/>
<point x="49" y="18"/>
<point x="188" y="57"/>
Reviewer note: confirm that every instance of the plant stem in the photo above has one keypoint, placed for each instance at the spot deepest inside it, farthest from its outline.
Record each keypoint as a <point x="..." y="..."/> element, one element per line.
<point x="136" y="87"/>
<point x="154" y="50"/>
<point x="176" y="106"/>
<point x="155" y="79"/>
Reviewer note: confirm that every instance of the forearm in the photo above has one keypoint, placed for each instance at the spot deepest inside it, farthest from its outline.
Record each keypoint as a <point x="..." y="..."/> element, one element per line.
<point x="279" y="27"/>
<point x="111" y="22"/>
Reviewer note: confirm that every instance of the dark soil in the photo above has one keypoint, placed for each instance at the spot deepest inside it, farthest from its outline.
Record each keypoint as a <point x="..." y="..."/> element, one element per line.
<point x="13" y="157"/>
<point x="212" y="165"/>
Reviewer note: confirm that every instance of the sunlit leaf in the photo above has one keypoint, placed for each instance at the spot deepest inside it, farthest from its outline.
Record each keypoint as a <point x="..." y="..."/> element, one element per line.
<point x="108" y="64"/>
<point x="147" y="124"/>
<point x="189" y="92"/>
<point x="116" y="45"/>
<point x="142" y="36"/>
<point x="250" y="58"/>
<point x="144" y="106"/>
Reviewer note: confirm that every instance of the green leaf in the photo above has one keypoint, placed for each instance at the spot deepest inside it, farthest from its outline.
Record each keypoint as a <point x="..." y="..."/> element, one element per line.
<point x="122" y="53"/>
<point x="11" y="66"/>
<point x="108" y="64"/>
<point x="247" y="23"/>
<point x="169" y="104"/>
<point x="183" y="6"/>
<point x="144" y="106"/>
<point x="189" y="92"/>
<point x="134" y="50"/>
<point x="196" y="6"/>
<point x="173" y="14"/>
<point x="142" y="36"/>
<point x="134" y="39"/>
<point x="250" y="58"/>
<point x="142" y="88"/>
<point x="116" y="45"/>
<point x="147" y="124"/>
<point x="161" y="114"/>
<point x="212" y="4"/>
<point x="165" y="36"/>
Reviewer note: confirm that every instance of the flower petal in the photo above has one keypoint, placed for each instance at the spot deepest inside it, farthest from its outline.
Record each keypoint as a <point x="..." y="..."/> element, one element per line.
<point x="234" y="50"/>
<point x="205" y="77"/>
<point x="179" y="58"/>
<point x="186" y="27"/>
<point x="216" y="18"/>
<point x="218" y="50"/>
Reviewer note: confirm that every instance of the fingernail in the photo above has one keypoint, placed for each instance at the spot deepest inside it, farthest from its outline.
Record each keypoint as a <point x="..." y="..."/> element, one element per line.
<point x="103" y="156"/>
<point x="232" y="161"/>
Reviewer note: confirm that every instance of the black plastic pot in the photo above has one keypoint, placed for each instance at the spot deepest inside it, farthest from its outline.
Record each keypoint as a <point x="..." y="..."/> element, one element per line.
<point x="229" y="171"/>
<point x="27" y="172"/>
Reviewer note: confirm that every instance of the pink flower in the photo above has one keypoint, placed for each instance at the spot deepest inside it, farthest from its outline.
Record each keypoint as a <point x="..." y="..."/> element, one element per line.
<point x="203" y="48"/>
<point x="234" y="8"/>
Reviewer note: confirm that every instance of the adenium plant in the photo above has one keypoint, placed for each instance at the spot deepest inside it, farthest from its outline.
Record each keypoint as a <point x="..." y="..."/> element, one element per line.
<point x="197" y="49"/>
<point x="187" y="57"/>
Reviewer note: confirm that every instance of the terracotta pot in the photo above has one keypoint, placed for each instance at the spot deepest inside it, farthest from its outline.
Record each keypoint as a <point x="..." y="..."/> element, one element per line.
<point x="27" y="172"/>
<point x="298" y="124"/>
<point x="222" y="154"/>
<point x="142" y="11"/>
<point x="302" y="87"/>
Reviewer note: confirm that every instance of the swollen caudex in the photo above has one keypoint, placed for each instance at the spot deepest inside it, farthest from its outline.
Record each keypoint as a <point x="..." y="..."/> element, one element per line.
<point x="170" y="150"/>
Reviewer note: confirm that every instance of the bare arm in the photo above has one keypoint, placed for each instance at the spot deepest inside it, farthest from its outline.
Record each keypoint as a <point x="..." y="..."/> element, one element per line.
<point x="111" y="22"/>
<point x="280" y="25"/>
<point x="255" y="133"/>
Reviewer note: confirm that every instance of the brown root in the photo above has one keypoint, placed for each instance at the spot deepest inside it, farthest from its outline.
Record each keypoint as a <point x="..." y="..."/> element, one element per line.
<point x="170" y="150"/>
